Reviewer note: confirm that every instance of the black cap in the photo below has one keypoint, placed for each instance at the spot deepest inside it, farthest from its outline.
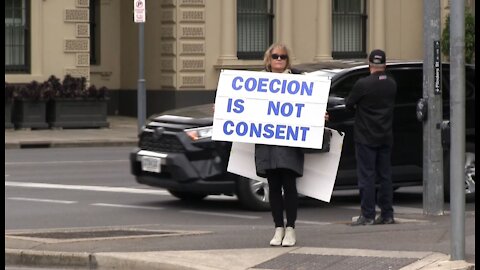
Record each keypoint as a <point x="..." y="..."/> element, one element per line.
<point x="377" y="57"/>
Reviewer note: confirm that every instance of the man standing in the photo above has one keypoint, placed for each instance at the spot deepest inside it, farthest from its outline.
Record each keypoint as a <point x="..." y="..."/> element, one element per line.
<point x="373" y="100"/>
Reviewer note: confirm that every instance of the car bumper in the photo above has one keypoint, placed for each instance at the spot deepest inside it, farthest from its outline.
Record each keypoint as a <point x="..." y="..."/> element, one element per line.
<point x="179" y="173"/>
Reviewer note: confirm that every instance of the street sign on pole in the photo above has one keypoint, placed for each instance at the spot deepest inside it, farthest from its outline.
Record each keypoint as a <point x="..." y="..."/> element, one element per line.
<point x="432" y="93"/>
<point x="139" y="11"/>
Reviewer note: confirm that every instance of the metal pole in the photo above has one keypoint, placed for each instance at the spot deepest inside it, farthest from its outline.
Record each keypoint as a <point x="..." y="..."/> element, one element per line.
<point x="457" y="123"/>
<point x="141" y="97"/>
<point x="432" y="147"/>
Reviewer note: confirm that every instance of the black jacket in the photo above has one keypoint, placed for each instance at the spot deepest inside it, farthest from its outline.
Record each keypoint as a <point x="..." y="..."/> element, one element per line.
<point x="373" y="98"/>
<point x="276" y="157"/>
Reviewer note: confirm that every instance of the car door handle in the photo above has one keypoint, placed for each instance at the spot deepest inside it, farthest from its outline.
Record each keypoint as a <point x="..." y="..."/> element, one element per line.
<point x="337" y="107"/>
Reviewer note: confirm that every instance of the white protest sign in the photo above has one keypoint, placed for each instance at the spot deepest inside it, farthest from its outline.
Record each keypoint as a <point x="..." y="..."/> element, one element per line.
<point x="319" y="170"/>
<point x="270" y="108"/>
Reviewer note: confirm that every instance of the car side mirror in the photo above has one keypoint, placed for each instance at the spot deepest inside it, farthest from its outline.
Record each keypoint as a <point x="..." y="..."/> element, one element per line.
<point x="422" y="109"/>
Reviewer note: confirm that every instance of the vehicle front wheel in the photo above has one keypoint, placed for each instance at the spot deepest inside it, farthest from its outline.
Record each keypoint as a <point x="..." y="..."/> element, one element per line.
<point x="253" y="194"/>
<point x="187" y="196"/>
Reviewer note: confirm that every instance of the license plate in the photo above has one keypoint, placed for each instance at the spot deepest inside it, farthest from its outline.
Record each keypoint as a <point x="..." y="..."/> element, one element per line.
<point x="151" y="164"/>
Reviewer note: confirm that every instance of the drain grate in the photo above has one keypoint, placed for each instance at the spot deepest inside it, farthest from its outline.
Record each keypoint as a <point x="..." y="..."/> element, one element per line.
<point x="86" y="235"/>
<point x="91" y="234"/>
<point x="35" y="145"/>
<point x="333" y="262"/>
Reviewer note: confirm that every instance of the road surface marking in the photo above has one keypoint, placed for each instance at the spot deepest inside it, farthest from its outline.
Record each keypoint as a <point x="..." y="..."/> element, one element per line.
<point x="102" y="188"/>
<point x="219" y="214"/>
<point x="396" y="209"/>
<point x="66" y="162"/>
<point x="313" y="222"/>
<point x="40" y="200"/>
<point x="90" y="188"/>
<point x="127" y="206"/>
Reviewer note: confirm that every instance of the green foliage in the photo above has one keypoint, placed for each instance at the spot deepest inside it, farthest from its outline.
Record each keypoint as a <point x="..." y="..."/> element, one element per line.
<point x="469" y="37"/>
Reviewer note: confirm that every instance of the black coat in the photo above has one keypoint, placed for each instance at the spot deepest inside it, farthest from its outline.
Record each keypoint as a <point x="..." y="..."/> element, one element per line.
<point x="269" y="157"/>
<point x="276" y="157"/>
<point x="373" y="99"/>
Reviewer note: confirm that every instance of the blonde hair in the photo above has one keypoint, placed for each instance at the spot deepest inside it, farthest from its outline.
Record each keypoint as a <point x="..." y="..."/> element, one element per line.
<point x="267" y="58"/>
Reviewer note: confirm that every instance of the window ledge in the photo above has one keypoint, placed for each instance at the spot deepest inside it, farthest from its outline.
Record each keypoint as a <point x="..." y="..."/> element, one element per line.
<point x="239" y="64"/>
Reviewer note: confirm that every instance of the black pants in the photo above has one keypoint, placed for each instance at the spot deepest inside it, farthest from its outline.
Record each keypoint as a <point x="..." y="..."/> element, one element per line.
<point x="285" y="179"/>
<point x="373" y="163"/>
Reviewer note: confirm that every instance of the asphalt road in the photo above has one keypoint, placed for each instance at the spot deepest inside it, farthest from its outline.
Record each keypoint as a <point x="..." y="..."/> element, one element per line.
<point x="84" y="188"/>
<point x="88" y="187"/>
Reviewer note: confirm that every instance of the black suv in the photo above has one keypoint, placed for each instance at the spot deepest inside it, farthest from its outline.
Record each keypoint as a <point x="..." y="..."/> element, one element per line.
<point x="175" y="151"/>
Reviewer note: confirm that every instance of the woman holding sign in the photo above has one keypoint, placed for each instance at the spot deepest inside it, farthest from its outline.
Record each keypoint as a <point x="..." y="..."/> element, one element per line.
<point x="281" y="165"/>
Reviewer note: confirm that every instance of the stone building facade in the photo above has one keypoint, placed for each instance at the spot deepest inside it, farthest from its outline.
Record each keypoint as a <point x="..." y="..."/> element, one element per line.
<point x="188" y="42"/>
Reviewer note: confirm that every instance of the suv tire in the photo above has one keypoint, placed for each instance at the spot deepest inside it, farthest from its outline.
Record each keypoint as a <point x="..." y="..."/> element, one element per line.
<point x="253" y="194"/>
<point x="469" y="173"/>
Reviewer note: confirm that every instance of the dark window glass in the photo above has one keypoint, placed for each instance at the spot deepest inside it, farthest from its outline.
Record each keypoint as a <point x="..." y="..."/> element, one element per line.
<point x="17" y="36"/>
<point x="94" y="32"/>
<point x="349" y="22"/>
<point x="409" y="84"/>
<point x="254" y="28"/>
<point x="343" y="87"/>
<point x="469" y="83"/>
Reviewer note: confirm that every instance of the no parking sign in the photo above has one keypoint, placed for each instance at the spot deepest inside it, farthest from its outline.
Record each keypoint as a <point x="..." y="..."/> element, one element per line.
<point x="139" y="11"/>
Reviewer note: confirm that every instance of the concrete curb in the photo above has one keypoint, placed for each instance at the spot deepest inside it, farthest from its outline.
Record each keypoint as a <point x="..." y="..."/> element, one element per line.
<point x="106" y="261"/>
<point x="451" y="265"/>
<point x="85" y="260"/>
<point x="48" y="258"/>
<point x="439" y="261"/>
<point x="177" y="261"/>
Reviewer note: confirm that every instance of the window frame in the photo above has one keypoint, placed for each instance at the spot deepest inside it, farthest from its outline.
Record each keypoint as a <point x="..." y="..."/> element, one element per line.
<point x="362" y="15"/>
<point x="94" y="17"/>
<point x="255" y="54"/>
<point x="24" y="68"/>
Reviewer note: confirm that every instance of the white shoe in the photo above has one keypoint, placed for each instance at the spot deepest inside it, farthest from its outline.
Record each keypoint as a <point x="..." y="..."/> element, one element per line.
<point x="289" y="240"/>
<point x="277" y="238"/>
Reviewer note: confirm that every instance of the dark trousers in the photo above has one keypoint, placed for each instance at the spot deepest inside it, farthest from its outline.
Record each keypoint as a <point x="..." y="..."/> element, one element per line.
<point x="285" y="179"/>
<point x="373" y="163"/>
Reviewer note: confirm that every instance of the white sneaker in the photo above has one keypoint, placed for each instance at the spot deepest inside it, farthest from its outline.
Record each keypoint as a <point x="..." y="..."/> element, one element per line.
<point x="289" y="240"/>
<point x="277" y="238"/>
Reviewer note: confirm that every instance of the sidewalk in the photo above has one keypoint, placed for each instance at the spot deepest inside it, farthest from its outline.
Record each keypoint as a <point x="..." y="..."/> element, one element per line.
<point x="122" y="131"/>
<point x="416" y="242"/>
<point x="339" y="246"/>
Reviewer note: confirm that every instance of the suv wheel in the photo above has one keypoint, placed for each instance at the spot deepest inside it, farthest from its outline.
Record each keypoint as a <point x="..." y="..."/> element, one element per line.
<point x="187" y="196"/>
<point x="469" y="173"/>
<point x="253" y="194"/>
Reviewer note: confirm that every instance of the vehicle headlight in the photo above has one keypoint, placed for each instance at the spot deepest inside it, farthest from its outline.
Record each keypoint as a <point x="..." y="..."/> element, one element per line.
<point x="199" y="133"/>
